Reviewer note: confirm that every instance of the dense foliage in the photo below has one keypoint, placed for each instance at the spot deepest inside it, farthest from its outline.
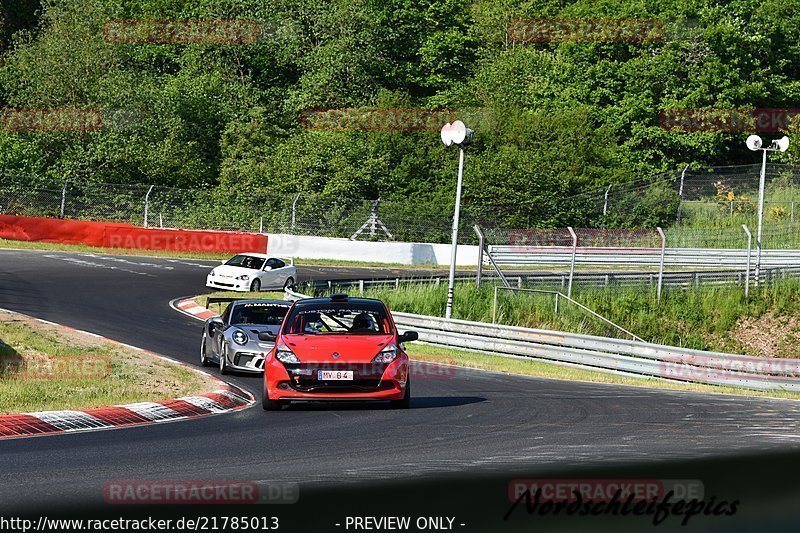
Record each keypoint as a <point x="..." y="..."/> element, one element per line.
<point x="551" y="119"/>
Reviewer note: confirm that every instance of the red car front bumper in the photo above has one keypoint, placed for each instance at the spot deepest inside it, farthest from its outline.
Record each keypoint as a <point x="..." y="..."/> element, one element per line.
<point x="299" y="382"/>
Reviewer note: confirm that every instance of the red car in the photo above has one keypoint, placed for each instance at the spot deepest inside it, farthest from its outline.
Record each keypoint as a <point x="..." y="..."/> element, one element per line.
<point x="338" y="348"/>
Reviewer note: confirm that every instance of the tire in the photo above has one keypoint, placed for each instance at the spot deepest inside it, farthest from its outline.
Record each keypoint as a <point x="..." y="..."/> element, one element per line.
<point x="203" y="359"/>
<point x="271" y="405"/>
<point x="405" y="403"/>
<point x="223" y="363"/>
<point x="256" y="285"/>
<point x="289" y="283"/>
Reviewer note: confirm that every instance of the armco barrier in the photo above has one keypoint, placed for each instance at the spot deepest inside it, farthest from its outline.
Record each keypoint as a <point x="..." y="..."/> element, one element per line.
<point x="649" y="257"/>
<point x="668" y="362"/>
<point x="642" y="359"/>
<point x="531" y="279"/>
<point x="117" y="235"/>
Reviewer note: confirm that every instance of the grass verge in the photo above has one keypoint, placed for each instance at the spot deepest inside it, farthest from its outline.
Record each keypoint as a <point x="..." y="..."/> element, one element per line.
<point x="34" y="358"/>
<point x="510" y="365"/>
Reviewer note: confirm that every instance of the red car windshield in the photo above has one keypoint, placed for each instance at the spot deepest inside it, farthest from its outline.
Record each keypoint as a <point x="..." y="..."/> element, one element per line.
<point x="338" y="318"/>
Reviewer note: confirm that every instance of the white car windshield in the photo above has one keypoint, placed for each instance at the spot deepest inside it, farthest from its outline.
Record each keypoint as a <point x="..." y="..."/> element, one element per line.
<point x="246" y="261"/>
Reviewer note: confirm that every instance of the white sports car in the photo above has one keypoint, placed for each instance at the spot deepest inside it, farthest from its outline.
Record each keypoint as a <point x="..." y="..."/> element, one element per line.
<point x="252" y="272"/>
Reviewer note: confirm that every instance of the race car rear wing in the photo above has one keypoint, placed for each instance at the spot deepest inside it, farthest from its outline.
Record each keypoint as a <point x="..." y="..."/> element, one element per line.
<point x="224" y="300"/>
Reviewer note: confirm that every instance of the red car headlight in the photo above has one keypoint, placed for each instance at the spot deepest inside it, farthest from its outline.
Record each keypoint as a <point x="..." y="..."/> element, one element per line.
<point x="386" y="355"/>
<point x="285" y="355"/>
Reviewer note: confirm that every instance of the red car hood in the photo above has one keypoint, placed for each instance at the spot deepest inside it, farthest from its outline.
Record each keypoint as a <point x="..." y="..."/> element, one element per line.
<point x="351" y="348"/>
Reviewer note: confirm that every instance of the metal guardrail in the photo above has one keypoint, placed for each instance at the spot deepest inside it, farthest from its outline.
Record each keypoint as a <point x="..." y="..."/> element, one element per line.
<point x="600" y="353"/>
<point x="555" y="279"/>
<point x="650" y="257"/>
<point x="670" y="279"/>
<point x="636" y="358"/>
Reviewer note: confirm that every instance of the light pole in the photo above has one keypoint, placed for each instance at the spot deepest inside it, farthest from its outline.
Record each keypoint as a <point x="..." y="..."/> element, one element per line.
<point x="755" y="143"/>
<point x="460" y="135"/>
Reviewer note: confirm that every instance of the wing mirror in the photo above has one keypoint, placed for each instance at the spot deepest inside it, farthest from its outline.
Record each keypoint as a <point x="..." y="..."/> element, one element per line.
<point x="408" y="336"/>
<point x="215" y="323"/>
<point x="267" y="336"/>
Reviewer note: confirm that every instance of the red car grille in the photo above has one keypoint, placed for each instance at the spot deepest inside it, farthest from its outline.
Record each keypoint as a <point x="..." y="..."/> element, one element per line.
<point x="366" y="378"/>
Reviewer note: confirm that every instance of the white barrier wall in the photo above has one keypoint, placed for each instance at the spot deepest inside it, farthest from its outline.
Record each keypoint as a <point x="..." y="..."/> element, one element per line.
<point x="404" y="253"/>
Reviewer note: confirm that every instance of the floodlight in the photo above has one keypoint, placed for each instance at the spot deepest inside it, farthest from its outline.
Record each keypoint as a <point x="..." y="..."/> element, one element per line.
<point x="754" y="142"/>
<point x="782" y="143"/>
<point x="447" y="134"/>
<point x="460" y="135"/>
<point x="459" y="132"/>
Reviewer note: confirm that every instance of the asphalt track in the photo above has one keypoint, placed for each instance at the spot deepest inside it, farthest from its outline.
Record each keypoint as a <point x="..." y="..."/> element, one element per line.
<point x="480" y="429"/>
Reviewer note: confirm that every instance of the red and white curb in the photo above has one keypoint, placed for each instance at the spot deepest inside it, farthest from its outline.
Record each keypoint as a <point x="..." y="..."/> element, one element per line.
<point x="188" y="306"/>
<point x="224" y="399"/>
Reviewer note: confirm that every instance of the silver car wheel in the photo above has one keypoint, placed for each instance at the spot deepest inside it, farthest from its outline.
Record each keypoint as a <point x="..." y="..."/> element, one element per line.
<point x="203" y="358"/>
<point x="223" y="362"/>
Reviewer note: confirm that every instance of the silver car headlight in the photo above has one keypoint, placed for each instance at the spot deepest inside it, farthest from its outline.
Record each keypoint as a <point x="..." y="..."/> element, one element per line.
<point x="240" y="337"/>
<point x="285" y="355"/>
<point x="386" y="355"/>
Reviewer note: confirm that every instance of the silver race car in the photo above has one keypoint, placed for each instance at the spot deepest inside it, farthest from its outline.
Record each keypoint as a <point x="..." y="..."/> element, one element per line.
<point x="242" y="336"/>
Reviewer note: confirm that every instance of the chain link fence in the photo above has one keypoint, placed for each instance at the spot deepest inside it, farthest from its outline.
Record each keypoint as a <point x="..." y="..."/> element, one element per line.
<point x="708" y="198"/>
<point x="299" y="214"/>
<point x="702" y="209"/>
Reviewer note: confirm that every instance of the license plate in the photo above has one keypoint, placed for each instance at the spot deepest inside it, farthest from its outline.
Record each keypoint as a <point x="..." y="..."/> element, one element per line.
<point x="335" y="375"/>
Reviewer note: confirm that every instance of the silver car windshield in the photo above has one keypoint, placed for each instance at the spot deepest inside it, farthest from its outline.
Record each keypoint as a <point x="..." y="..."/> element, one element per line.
<point x="272" y="315"/>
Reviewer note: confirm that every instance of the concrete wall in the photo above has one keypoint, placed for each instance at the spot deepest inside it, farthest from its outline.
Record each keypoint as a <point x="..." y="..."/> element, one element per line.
<point x="405" y="253"/>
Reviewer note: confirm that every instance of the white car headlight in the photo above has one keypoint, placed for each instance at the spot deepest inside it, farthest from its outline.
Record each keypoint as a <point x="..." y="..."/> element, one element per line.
<point x="285" y="355"/>
<point x="386" y="355"/>
<point x="243" y="277"/>
<point x="240" y="337"/>
<point x="211" y="274"/>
